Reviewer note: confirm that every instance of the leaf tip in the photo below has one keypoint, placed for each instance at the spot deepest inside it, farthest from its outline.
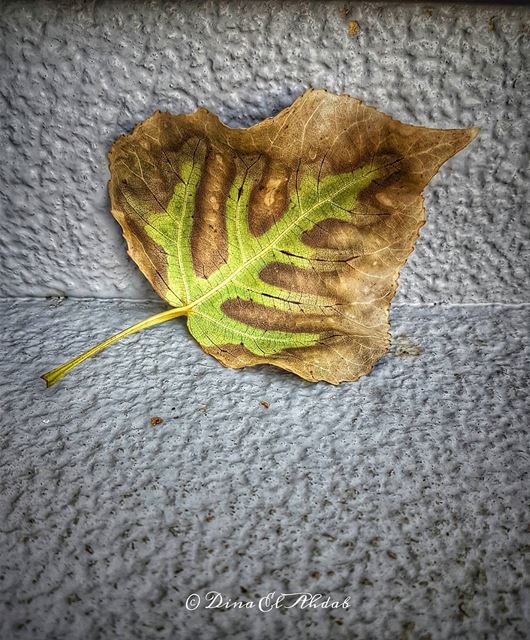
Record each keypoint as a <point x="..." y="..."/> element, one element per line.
<point x="473" y="133"/>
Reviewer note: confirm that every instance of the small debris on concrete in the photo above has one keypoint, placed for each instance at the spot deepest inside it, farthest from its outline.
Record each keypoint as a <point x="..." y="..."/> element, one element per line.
<point x="73" y="598"/>
<point x="264" y="404"/>
<point x="155" y="421"/>
<point x="56" y="301"/>
<point x="404" y="347"/>
<point x="353" y="28"/>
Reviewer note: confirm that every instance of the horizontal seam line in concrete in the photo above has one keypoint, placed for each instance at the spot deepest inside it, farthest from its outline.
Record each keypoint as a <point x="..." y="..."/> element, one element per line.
<point x="8" y="299"/>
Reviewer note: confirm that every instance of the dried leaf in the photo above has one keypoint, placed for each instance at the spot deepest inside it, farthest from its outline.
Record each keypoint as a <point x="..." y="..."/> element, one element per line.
<point x="281" y="243"/>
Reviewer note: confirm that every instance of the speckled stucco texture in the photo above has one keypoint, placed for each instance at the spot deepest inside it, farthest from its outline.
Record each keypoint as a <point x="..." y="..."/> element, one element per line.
<point x="406" y="492"/>
<point x="73" y="77"/>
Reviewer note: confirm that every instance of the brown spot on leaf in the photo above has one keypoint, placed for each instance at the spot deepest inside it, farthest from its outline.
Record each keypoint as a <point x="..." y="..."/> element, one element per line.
<point x="264" y="317"/>
<point x="269" y="197"/>
<point x="208" y="240"/>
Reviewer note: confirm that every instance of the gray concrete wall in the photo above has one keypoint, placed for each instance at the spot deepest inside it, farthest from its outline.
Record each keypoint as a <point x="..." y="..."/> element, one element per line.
<point x="74" y="76"/>
<point x="407" y="491"/>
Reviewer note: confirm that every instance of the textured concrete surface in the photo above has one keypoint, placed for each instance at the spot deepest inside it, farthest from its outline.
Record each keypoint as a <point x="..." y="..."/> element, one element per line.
<point x="406" y="491"/>
<point x="74" y="76"/>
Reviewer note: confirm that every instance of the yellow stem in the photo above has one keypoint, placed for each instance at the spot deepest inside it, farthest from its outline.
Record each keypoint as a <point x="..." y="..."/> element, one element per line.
<point x="55" y="375"/>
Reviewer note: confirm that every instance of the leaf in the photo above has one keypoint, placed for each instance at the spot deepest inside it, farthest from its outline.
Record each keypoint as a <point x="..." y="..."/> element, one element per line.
<point x="281" y="243"/>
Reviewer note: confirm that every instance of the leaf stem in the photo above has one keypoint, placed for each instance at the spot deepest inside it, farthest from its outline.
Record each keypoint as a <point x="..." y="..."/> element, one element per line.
<point x="53" y="376"/>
